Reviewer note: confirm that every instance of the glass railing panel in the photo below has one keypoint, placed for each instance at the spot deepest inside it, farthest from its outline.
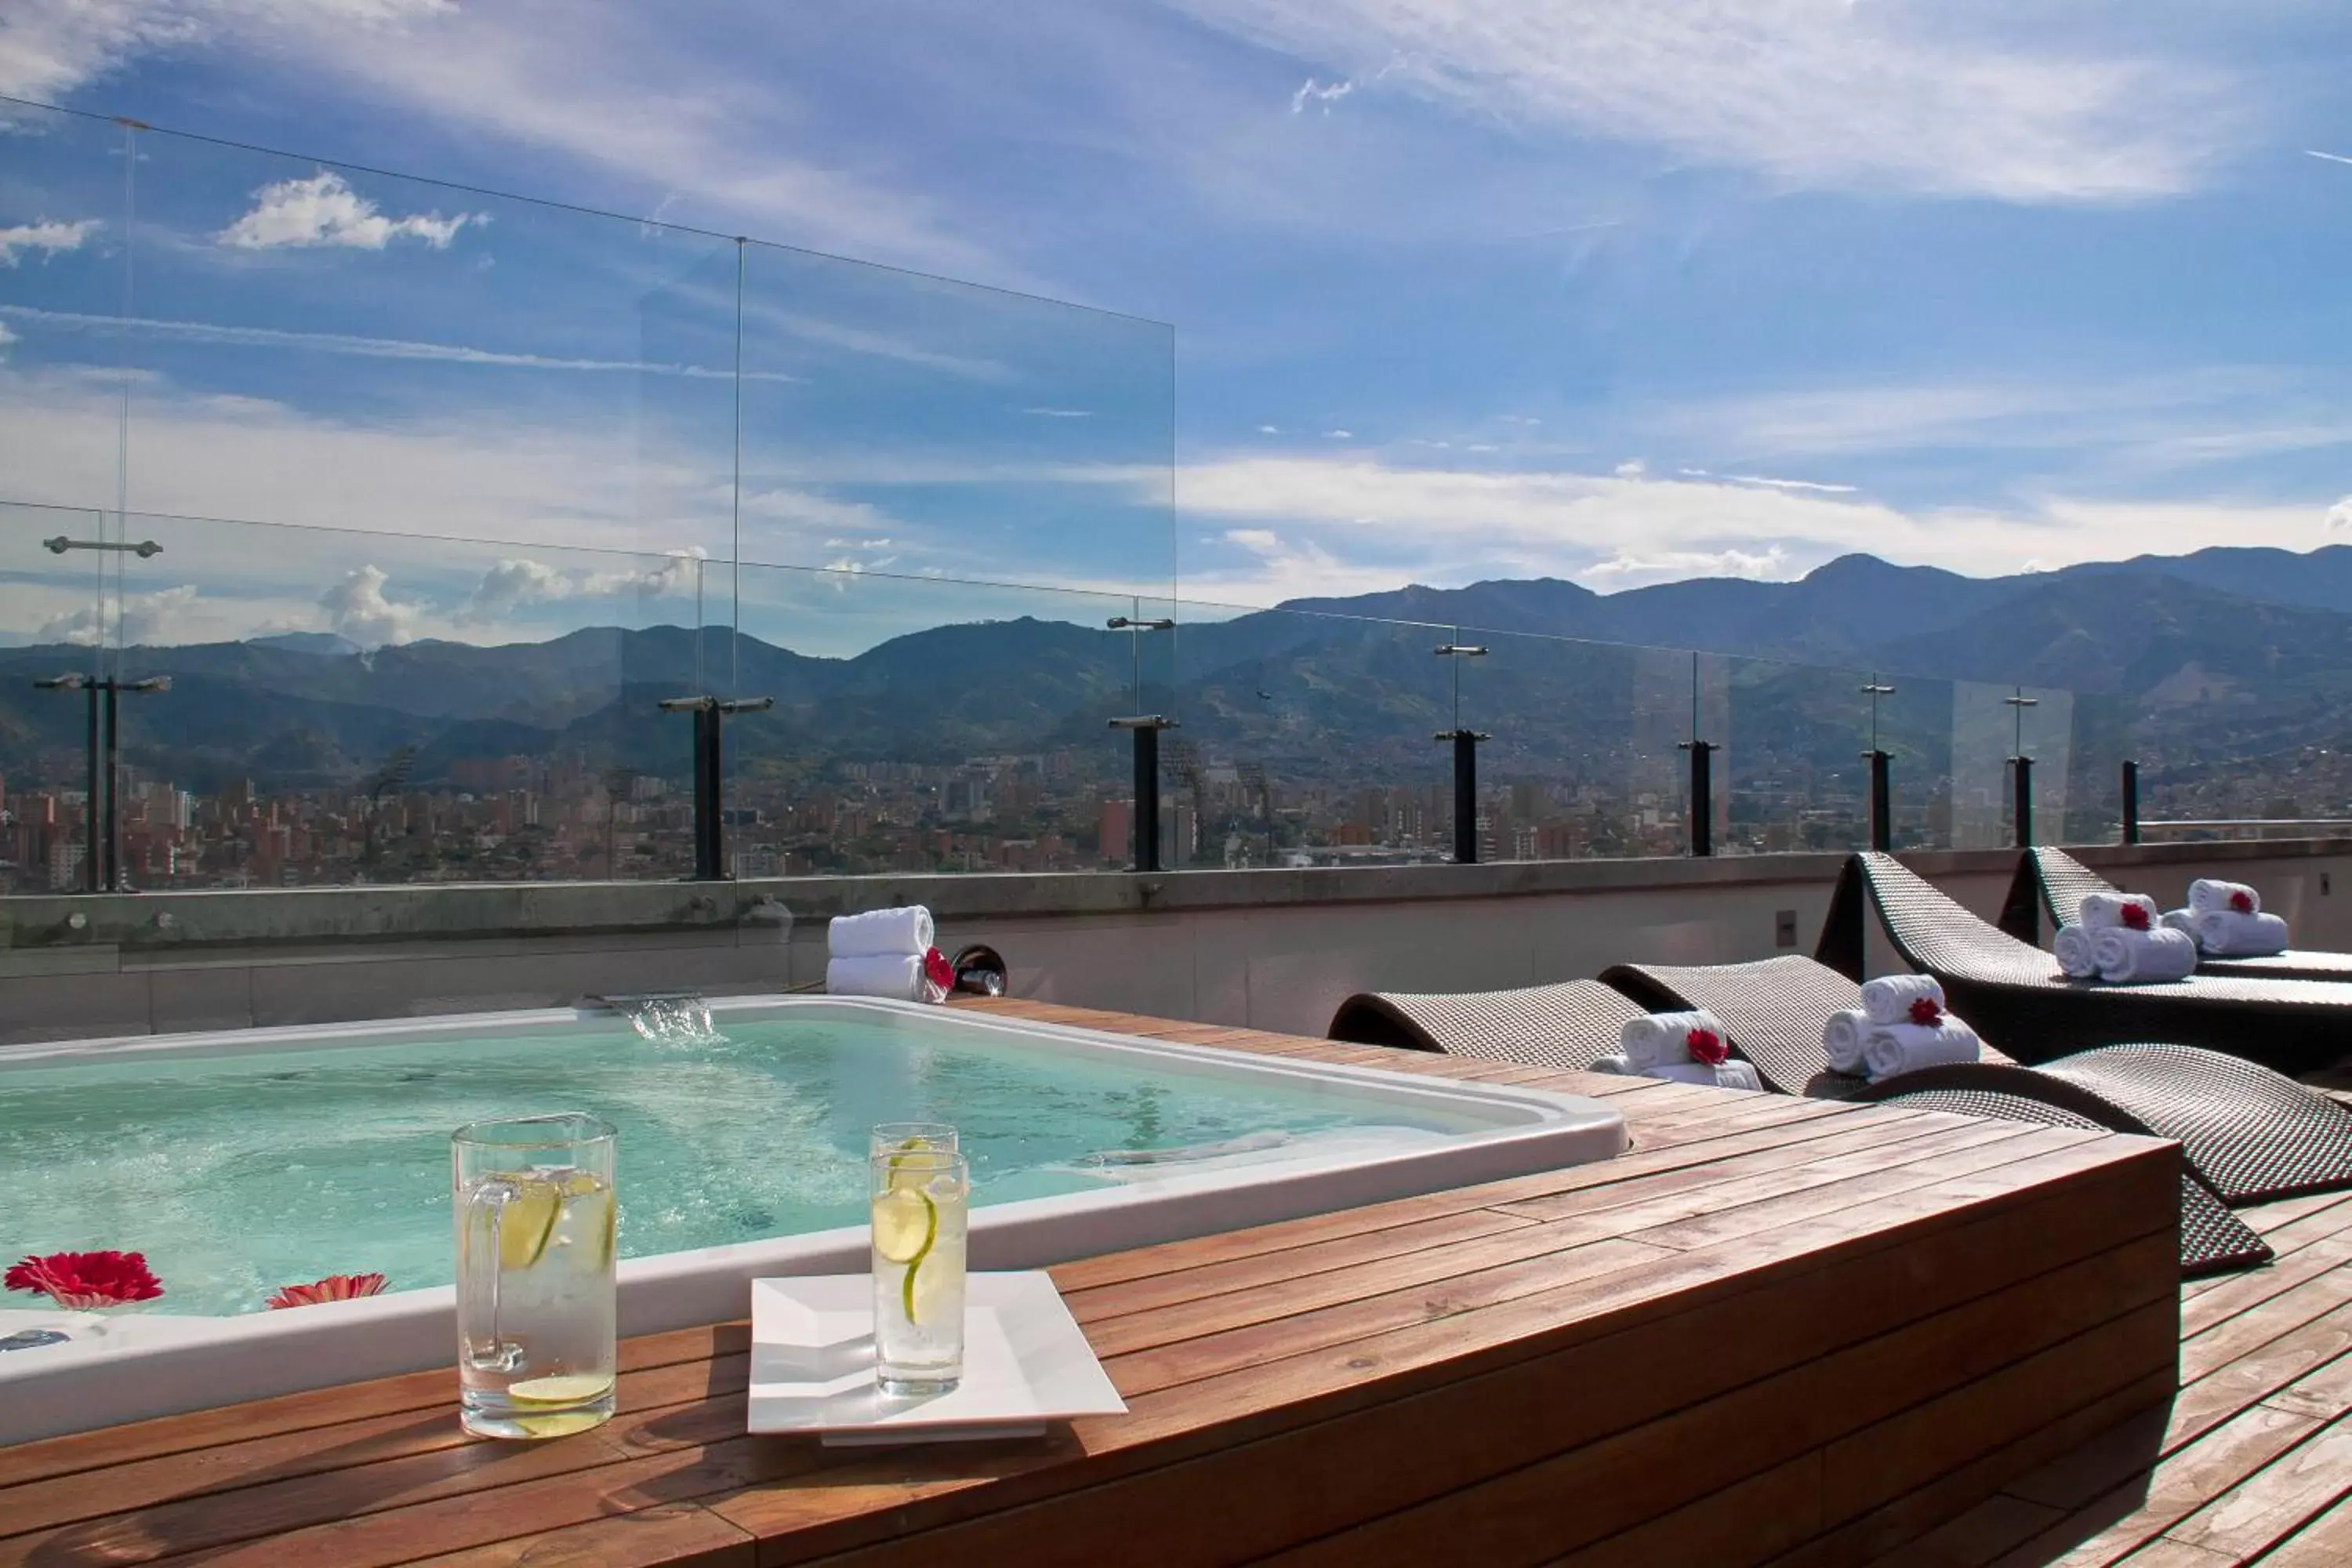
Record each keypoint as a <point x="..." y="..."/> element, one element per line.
<point x="1679" y="698"/>
<point x="895" y="423"/>
<point x="348" y="706"/>
<point x="1556" y="775"/>
<point x="1993" y="724"/>
<point x="55" y="625"/>
<point x="1315" y="736"/>
<point x="1798" y="781"/>
<point x="346" y="348"/>
<point x="924" y="726"/>
<point x="66" y="207"/>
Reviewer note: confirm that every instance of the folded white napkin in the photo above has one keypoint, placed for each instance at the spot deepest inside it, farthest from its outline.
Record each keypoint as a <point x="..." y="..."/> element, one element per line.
<point x="878" y="974"/>
<point x="1895" y="1049"/>
<point x="2209" y="894"/>
<point x="2072" y="948"/>
<point x="1656" y="1039"/>
<point x="881" y="932"/>
<point x="1888" y="999"/>
<point x="1723" y="1075"/>
<point x="2104" y="912"/>
<point x="2226" y="933"/>
<point x="2143" y="957"/>
<point x="1841" y="1037"/>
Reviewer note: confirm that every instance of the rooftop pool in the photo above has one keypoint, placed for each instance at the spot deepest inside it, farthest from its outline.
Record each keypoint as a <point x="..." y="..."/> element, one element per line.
<point x="243" y="1161"/>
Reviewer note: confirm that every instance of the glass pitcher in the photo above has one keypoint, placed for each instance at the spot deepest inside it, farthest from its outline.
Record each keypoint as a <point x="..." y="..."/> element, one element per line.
<point x="537" y="1233"/>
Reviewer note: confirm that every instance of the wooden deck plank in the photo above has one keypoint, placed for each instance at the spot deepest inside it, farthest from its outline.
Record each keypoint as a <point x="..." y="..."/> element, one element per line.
<point x="2275" y="1500"/>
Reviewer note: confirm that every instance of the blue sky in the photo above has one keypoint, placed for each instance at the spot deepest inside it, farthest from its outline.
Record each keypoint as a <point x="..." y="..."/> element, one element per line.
<point x="1619" y="291"/>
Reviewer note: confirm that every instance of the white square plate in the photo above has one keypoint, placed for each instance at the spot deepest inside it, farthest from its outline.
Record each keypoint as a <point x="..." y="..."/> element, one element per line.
<point x="1025" y="1363"/>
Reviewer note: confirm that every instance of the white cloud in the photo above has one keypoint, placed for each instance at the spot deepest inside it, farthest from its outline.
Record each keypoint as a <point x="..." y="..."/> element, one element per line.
<point x="857" y="544"/>
<point x="145" y="620"/>
<point x="357" y="610"/>
<point x="1340" y="434"/>
<point x="48" y="238"/>
<point x="1810" y="92"/>
<point x="1061" y="413"/>
<point x="516" y="584"/>
<point x="1315" y="93"/>
<point x="323" y="210"/>
<point x="1771" y="483"/>
<point x="1621" y="570"/>
<point x="8" y="334"/>
<point x="2340" y="516"/>
<point x="1269" y="431"/>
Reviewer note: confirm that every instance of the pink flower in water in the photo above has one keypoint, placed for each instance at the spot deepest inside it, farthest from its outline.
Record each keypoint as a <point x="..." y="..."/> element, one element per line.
<point x="333" y="1287"/>
<point x="1926" y="1013"/>
<point x="80" y="1281"/>
<point x="1707" y="1045"/>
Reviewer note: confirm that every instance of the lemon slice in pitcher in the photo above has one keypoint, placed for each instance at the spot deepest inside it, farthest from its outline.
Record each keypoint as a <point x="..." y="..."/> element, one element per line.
<point x="570" y="1389"/>
<point x="525" y="1222"/>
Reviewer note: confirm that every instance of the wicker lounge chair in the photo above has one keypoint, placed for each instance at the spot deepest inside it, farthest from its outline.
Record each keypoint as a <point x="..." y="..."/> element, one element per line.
<point x="2247" y="1133"/>
<point x="2014" y="991"/>
<point x="2052" y="882"/>
<point x="1573" y="1024"/>
<point x="1568" y="1027"/>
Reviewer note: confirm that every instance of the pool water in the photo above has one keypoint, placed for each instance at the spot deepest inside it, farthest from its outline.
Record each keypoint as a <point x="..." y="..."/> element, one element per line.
<point x="239" y="1172"/>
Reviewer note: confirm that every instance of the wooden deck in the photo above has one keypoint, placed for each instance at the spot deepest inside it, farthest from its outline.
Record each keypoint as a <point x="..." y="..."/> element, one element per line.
<point x="1777" y="1331"/>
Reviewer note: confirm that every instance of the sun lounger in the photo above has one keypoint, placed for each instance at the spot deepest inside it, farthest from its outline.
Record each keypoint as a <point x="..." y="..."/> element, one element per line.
<point x="2052" y="883"/>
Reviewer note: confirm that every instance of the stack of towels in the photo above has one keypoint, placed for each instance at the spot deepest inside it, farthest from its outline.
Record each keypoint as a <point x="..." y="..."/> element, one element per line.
<point x="1901" y="1027"/>
<point x="2225" y="920"/>
<point x="2120" y="939"/>
<point x="1688" y="1047"/>
<point x="886" y="952"/>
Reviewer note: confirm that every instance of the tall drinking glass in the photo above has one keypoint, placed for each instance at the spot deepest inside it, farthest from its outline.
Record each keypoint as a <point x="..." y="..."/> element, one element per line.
<point x="537" y="1231"/>
<point x="922" y="1198"/>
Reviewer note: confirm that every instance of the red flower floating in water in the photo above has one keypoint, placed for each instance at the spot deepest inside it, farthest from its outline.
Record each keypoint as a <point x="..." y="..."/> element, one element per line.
<point x="1926" y="1013"/>
<point x="938" y="971"/>
<point x="79" y="1282"/>
<point x="2242" y="902"/>
<point x="2134" y="918"/>
<point x="333" y="1287"/>
<point x="1707" y="1045"/>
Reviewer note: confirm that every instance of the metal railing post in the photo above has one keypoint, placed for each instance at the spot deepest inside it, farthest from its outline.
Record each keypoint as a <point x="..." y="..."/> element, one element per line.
<point x="1466" y="793"/>
<point x="1882" y="803"/>
<point x="2131" y="801"/>
<point x="1701" y="796"/>
<point x="2022" y="801"/>
<point x="711" y="776"/>
<point x="1146" y="728"/>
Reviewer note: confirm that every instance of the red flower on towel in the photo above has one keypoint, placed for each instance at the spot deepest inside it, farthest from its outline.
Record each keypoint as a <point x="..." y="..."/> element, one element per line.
<point x="1926" y="1013"/>
<point x="1707" y="1045"/>
<point x="2241" y="901"/>
<point x="938" y="971"/>
<point x="333" y="1287"/>
<point x="2134" y="918"/>
<point x="79" y="1282"/>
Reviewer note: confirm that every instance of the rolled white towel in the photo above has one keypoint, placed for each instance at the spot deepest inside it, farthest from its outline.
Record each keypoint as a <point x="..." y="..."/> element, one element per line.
<point x="878" y="974"/>
<point x="1843" y="1037"/>
<point x="891" y="933"/>
<point x="2104" y="912"/>
<point x="2071" y="949"/>
<point x="1721" y="1075"/>
<point x="2225" y="933"/>
<point x="2180" y="920"/>
<point x="2210" y="895"/>
<point x="1662" y="1039"/>
<point x="1888" y="999"/>
<point x="1897" y="1048"/>
<point x="2143" y="957"/>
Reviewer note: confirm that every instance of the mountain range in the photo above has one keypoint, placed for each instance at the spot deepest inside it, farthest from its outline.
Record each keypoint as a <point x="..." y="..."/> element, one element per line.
<point x="2227" y="653"/>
